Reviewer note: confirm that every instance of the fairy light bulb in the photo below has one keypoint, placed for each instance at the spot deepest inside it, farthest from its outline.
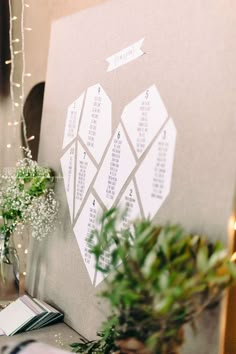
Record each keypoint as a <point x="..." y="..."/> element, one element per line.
<point x="15" y="51"/>
<point x="233" y="257"/>
<point x="16" y="84"/>
<point x="8" y="146"/>
<point x="19" y="245"/>
<point x="26" y="251"/>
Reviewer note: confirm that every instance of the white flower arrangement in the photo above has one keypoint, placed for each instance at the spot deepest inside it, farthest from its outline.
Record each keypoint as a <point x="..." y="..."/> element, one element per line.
<point x="27" y="198"/>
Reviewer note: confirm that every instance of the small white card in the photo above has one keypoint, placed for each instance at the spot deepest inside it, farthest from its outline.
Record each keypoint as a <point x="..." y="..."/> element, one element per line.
<point x="155" y="172"/>
<point x="26" y="314"/>
<point x="119" y="162"/>
<point x="95" y="128"/>
<point x="143" y="118"/>
<point x="72" y="120"/>
<point x="68" y="170"/>
<point x="13" y="316"/>
<point x="85" y="172"/>
<point x="86" y="223"/>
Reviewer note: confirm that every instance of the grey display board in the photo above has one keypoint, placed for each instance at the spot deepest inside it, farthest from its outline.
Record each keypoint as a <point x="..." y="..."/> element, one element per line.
<point x="190" y="52"/>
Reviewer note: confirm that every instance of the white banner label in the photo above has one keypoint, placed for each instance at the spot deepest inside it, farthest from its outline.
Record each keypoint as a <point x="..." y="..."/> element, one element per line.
<point x="125" y="56"/>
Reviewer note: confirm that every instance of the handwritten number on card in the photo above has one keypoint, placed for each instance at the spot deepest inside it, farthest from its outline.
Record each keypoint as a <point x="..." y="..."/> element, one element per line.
<point x="147" y="94"/>
<point x="130" y="192"/>
<point x="94" y="202"/>
<point x="84" y="154"/>
<point x="118" y="135"/>
<point x="164" y="135"/>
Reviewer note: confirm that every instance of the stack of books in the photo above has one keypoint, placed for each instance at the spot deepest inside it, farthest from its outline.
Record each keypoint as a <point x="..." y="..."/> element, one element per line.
<point x="26" y="314"/>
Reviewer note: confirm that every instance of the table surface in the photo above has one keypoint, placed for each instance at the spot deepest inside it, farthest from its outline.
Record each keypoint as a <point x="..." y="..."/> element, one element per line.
<point x="58" y="335"/>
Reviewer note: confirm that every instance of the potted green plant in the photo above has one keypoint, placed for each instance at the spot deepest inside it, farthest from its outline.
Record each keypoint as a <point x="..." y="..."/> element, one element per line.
<point x="159" y="278"/>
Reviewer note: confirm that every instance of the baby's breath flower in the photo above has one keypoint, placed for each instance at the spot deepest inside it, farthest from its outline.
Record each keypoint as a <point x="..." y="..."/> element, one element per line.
<point x="27" y="198"/>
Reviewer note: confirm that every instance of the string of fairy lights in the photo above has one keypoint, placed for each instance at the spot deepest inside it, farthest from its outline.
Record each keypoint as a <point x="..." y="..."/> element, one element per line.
<point x="17" y="88"/>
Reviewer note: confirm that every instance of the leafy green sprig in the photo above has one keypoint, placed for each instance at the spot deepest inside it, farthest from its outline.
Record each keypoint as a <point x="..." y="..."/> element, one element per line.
<point x="159" y="278"/>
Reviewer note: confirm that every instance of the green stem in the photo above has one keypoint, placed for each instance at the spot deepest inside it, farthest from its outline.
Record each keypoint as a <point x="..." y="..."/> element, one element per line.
<point x="4" y="252"/>
<point x="2" y="271"/>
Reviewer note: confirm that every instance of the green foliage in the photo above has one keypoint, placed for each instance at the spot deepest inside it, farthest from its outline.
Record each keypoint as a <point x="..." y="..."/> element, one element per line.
<point x="159" y="279"/>
<point x="26" y="197"/>
<point x="104" y="345"/>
